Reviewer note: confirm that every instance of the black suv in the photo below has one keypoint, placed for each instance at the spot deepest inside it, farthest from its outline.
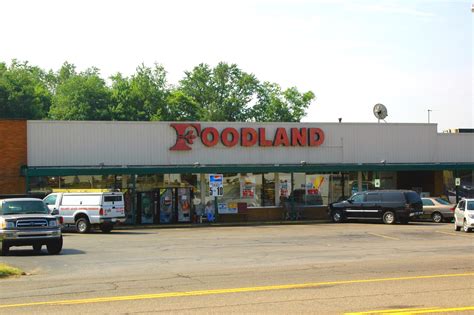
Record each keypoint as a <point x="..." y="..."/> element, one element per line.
<point x="389" y="205"/>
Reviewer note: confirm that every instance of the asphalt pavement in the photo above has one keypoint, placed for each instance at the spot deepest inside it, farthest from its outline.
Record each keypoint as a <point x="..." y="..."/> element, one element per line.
<point x="311" y="268"/>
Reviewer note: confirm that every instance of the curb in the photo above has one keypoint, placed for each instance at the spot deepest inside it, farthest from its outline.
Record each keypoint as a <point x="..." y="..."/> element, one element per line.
<point x="206" y="225"/>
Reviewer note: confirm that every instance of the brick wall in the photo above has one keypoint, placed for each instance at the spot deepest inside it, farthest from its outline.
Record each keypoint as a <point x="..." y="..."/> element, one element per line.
<point x="13" y="154"/>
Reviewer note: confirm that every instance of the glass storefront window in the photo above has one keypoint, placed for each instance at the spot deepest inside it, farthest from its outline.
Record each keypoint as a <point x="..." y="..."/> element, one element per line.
<point x="149" y="182"/>
<point x="172" y="180"/>
<point x="77" y="182"/>
<point x="367" y="182"/>
<point x="40" y="184"/>
<point x="465" y="190"/>
<point x="317" y="189"/>
<point x="268" y="189"/>
<point x="388" y="180"/>
<point x="338" y="189"/>
<point x="284" y="187"/>
<point x="189" y="180"/>
<point x="239" y="187"/>
<point x="103" y="182"/>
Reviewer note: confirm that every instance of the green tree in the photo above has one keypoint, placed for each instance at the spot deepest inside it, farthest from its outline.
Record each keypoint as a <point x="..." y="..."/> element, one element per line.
<point x="121" y="108"/>
<point x="141" y="97"/>
<point x="23" y="91"/>
<point x="273" y="104"/>
<point x="224" y="93"/>
<point x="182" y="107"/>
<point x="83" y="96"/>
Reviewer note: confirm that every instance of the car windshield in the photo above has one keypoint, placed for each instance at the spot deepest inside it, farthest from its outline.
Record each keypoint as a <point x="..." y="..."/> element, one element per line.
<point x="442" y="201"/>
<point x="470" y="205"/>
<point x="23" y="207"/>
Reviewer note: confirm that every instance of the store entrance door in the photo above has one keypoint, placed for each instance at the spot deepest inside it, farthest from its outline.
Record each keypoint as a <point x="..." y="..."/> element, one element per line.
<point x="147" y="206"/>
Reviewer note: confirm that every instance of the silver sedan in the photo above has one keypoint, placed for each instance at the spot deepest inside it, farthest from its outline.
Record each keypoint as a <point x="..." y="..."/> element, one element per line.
<point x="437" y="209"/>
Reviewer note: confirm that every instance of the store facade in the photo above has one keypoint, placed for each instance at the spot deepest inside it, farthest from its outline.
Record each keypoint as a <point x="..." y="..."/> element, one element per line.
<point x="164" y="168"/>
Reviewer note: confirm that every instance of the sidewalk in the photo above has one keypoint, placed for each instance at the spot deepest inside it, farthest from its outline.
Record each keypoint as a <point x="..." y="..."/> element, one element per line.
<point x="216" y="224"/>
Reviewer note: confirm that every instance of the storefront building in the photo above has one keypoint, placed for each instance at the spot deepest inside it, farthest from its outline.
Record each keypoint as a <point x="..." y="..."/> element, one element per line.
<point x="165" y="168"/>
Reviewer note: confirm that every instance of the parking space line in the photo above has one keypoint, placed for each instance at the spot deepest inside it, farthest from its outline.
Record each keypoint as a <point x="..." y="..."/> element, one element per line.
<point x="425" y="310"/>
<point x="226" y="291"/>
<point x="453" y="234"/>
<point x="384" y="236"/>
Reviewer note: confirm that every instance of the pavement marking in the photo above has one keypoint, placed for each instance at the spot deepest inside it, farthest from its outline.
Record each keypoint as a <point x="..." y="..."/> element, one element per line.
<point x="455" y="234"/>
<point x="408" y="311"/>
<point x="384" y="236"/>
<point x="227" y="291"/>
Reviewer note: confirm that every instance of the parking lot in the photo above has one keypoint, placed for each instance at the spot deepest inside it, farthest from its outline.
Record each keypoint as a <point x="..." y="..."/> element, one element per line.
<point x="145" y="269"/>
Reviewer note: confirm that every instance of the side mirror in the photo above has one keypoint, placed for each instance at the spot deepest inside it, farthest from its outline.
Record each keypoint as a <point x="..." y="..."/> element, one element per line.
<point x="55" y="212"/>
<point x="350" y="201"/>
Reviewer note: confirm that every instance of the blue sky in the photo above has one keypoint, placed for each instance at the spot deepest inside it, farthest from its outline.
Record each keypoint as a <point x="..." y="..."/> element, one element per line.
<point x="411" y="55"/>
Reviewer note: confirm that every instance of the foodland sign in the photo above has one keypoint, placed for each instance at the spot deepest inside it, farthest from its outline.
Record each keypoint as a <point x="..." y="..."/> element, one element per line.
<point x="187" y="133"/>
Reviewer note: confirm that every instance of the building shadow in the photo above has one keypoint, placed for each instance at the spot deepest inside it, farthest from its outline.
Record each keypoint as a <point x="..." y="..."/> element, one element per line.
<point x="29" y="252"/>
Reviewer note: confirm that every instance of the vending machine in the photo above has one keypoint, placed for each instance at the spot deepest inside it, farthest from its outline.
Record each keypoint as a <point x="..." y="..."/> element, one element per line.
<point x="184" y="204"/>
<point x="167" y="205"/>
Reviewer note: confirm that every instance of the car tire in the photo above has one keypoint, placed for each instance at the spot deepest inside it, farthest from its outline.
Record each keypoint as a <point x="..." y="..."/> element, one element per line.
<point x="465" y="227"/>
<point x="106" y="228"/>
<point x="37" y="247"/>
<point x="5" y="249"/>
<point x="55" y="247"/>
<point x="83" y="225"/>
<point x="389" y="217"/>
<point x="336" y="216"/>
<point x="437" y="217"/>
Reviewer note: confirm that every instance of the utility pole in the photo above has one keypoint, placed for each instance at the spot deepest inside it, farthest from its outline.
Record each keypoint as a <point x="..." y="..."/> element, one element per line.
<point x="429" y="111"/>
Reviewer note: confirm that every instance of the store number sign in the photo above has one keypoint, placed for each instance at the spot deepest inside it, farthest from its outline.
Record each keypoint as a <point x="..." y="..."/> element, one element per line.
<point x="216" y="185"/>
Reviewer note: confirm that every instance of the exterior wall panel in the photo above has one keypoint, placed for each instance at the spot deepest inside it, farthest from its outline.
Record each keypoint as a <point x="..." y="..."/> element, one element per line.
<point x="455" y="147"/>
<point x="55" y="143"/>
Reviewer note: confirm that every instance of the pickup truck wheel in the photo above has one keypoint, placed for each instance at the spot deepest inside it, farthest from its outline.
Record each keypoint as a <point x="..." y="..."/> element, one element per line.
<point x="5" y="249"/>
<point x="388" y="217"/>
<point x="37" y="247"/>
<point x="106" y="228"/>
<point x="437" y="217"/>
<point x="55" y="247"/>
<point x="83" y="225"/>
<point x="336" y="216"/>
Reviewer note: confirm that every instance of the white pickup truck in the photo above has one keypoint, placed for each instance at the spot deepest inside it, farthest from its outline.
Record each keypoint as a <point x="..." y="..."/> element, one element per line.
<point x="84" y="210"/>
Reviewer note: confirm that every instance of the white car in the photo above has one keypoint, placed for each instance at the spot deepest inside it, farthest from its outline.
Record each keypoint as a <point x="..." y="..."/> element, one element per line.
<point x="464" y="215"/>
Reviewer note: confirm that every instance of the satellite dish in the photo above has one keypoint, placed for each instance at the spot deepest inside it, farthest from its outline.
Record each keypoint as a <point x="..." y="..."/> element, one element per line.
<point x="380" y="111"/>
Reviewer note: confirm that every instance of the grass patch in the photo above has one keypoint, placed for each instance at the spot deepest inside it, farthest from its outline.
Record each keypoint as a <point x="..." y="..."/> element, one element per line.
<point x="7" y="271"/>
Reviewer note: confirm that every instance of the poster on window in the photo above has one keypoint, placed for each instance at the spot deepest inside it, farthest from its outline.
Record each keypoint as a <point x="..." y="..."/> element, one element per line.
<point x="216" y="185"/>
<point x="184" y="205"/>
<point x="285" y="187"/>
<point x="317" y="185"/>
<point x="247" y="187"/>
<point x="227" y="208"/>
